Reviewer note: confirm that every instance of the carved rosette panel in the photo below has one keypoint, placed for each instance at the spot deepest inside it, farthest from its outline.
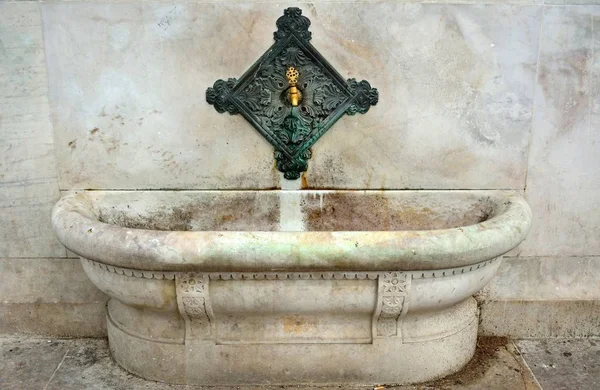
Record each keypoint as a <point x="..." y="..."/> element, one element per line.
<point x="391" y="302"/>
<point x="261" y="95"/>
<point x="193" y="302"/>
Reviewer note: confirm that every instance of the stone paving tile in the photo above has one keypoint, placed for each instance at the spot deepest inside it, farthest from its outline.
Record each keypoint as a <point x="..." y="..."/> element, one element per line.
<point x="570" y="364"/>
<point x="29" y="364"/>
<point x="496" y="365"/>
<point x="86" y="364"/>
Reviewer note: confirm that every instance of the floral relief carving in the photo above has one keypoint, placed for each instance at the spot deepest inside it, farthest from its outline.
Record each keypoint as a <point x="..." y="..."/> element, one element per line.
<point x="192" y="299"/>
<point x="194" y="308"/>
<point x="391" y="302"/>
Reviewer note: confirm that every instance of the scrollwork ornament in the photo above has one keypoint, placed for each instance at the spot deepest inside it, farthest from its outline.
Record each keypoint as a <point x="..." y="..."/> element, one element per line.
<point x="292" y="22"/>
<point x="219" y="96"/>
<point x="391" y="302"/>
<point x="364" y="97"/>
<point x="292" y="167"/>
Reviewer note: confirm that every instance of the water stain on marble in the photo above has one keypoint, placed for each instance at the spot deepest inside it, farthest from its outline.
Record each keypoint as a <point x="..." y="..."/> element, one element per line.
<point x="347" y="48"/>
<point x="327" y="173"/>
<point x="177" y="219"/>
<point x="297" y="324"/>
<point x="169" y="295"/>
<point x="109" y="143"/>
<point x="341" y="211"/>
<point x="347" y="211"/>
<point x="304" y="184"/>
<point x="451" y="25"/>
<point x="222" y="213"/>
<point x="570" y="98"/>
<point x="119" y="119"/>
<point x="450" y="162"/>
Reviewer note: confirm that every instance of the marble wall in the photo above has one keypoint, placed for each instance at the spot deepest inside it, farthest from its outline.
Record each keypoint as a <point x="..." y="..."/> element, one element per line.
<point x="555" y="273"/>
<point x="454" y="83"/>
<point x="473" y="95"/>
<point x="41" y="290"/>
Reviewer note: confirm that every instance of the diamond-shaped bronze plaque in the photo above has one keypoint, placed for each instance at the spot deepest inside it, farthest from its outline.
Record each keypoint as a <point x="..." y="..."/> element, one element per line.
<point x="264" y="95"/>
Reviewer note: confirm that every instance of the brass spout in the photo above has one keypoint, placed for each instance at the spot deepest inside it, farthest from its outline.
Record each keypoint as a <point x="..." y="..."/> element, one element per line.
<point x="294" y="94"/>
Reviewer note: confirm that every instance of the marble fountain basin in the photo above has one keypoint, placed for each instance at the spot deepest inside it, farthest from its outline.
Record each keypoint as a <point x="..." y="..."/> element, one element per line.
<point x="291" y="287"/>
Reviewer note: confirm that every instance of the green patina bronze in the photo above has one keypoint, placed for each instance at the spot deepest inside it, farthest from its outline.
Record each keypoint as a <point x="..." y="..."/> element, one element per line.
<point x="261" y="95"/>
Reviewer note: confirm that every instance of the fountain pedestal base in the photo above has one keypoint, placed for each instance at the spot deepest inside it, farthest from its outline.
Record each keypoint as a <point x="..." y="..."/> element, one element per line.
<point x="430" y="345"/>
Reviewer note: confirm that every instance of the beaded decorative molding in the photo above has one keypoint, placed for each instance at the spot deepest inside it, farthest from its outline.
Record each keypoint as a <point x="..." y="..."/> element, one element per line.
<point x="292" y="95"/>
<point x="159" y="275"/>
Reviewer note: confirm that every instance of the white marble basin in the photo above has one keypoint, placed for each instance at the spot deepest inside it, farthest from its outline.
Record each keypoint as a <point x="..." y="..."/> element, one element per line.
<point x="280" y="287"/>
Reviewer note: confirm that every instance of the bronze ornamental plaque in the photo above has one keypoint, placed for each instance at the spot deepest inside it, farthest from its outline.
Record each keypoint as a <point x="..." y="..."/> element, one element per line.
<point x="292" y="95"/>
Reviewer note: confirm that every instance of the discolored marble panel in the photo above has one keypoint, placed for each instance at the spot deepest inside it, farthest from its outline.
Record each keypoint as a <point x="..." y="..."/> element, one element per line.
<point x="28" y="181"/>
<point x="455" y="82"/>
<point x="456" y="91"/>
<point x="563" y="175"/>
<point x="49" y="297"/>
<point x="545" y="278"/>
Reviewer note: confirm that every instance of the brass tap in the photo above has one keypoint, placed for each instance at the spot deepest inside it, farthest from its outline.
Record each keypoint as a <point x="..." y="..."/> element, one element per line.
<point x="294" y="94"/>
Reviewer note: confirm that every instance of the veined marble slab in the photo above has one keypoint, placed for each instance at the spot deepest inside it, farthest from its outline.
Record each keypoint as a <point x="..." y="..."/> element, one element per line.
<point x="545" y="278"/>
<point x="563" y="182"/>
<point x="28" y="178"/>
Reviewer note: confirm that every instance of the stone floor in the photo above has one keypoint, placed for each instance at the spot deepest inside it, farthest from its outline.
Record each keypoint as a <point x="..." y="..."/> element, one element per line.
<point x="498" y="364"/>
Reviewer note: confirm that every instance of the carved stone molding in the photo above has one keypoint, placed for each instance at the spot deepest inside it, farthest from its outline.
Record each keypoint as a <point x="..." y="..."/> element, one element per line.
<point x="159" y="275"/>
<point x="194" y="304"/>
<point x="392" y="294"/>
